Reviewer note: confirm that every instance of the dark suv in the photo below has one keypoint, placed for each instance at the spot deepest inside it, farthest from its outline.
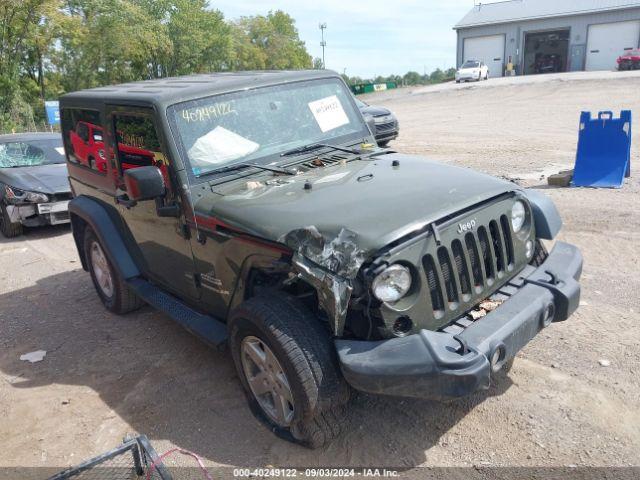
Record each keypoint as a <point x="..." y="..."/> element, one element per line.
<point x="268" y="220"/>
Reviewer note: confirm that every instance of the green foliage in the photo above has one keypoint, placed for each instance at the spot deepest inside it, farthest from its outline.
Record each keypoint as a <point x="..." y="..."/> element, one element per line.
<point x="49" y="47"/>
<point x="408" y="79"/>
<point x="269" y="42"/>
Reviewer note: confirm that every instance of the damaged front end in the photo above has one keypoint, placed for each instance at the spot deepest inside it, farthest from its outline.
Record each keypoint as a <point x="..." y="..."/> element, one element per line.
<point x="329" y="266"/>
<point x="34" y="209"/>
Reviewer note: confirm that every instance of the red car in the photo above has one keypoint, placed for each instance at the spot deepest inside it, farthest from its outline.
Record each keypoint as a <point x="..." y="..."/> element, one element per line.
<point x="630" y="60"/>
<point x="88" y="147"/>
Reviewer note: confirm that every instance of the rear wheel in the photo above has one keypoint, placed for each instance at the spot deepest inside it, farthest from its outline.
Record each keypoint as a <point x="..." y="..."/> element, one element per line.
<point x="92" y="163"/>
<point x="288" y="367"/>
<point x="115" y="294"/>
<point x="8" y="228"/>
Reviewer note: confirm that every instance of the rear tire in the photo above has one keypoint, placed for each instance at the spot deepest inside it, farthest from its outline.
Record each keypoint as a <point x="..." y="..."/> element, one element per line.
<point x="114" y="292"/>
<point x="8" y="228"/>
<point x="306" y="366"/>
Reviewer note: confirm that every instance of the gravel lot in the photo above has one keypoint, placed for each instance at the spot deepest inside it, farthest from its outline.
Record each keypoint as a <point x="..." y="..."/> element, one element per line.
<point x="105" y="376"/>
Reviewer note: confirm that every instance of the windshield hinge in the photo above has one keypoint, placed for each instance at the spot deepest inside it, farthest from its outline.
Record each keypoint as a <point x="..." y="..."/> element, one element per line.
<point x="436" y="233"/>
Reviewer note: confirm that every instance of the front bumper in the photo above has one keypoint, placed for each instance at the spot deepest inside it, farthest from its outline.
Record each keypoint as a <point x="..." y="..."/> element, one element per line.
<point x="467" y="77"/>
<point x="440" y="365"/>
<point x="39" y="214"/>
<point x="387" y="132"/>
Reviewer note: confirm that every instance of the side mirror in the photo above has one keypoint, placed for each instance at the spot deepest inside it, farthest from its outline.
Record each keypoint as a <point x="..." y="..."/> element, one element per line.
<point x="144" y="183"/>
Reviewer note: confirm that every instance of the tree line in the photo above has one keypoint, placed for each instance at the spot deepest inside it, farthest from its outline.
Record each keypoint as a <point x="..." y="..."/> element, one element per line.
<point x="50" y="47"/>
<point x="408" y="79"/>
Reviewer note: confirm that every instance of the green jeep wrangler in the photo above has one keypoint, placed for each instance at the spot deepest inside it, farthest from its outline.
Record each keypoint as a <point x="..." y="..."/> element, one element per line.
<point x="255" y="209"/>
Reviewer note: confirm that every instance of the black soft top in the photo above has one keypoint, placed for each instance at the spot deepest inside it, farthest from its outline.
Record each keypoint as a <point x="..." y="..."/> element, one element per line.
<point x="168" y="91"/>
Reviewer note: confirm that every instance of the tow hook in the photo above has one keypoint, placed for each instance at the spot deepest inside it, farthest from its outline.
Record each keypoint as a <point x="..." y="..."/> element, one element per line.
<point x="464" y="347"/>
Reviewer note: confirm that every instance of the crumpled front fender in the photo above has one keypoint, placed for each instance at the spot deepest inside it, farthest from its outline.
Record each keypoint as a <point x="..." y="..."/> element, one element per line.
<point x="334" y="292"/>
<point x="330" y="265"/>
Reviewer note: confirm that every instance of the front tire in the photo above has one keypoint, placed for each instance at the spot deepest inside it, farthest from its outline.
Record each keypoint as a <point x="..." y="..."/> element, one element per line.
<point x="288" y="368"/>
<point x="8" y="228"/>
<point x="114" y="292"/>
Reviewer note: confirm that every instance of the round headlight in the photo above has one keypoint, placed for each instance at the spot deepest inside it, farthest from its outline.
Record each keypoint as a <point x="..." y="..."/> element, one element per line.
<point x="392" y="284"/>
<point x="518" y="216"/>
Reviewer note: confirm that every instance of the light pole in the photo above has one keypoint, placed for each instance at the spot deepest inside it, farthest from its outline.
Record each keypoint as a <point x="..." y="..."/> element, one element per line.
<point x="323" y="44"/>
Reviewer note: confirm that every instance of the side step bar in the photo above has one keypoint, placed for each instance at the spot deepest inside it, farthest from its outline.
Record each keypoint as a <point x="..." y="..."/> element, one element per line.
<point x="208" y="328"/>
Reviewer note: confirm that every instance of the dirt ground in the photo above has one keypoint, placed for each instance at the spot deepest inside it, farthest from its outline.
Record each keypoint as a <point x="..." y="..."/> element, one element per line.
<point x="105" y="376"/>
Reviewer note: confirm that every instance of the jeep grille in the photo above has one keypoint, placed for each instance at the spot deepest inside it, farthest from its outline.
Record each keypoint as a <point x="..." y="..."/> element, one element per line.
<point x="462" y="273"/>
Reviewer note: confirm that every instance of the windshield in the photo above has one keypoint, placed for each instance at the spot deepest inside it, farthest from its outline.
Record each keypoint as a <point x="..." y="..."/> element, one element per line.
<point x="262" y="123"/>
<point x="31" y="154"/>
<point x="471" y="64"/>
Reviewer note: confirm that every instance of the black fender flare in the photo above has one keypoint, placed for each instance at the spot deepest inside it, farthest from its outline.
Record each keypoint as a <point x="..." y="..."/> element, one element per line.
<point x="545" y="215"/>
<point x="103" y="220"/>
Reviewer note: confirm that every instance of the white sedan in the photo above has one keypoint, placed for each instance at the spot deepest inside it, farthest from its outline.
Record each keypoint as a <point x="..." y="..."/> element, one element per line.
<point x="472" y="70"/>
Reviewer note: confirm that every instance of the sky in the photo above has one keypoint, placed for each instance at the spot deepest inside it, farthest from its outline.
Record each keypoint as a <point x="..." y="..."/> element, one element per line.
<point x="370" y="37"/>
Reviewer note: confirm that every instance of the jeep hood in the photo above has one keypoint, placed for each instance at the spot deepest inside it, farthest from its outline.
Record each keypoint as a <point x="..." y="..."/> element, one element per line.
<point x="372" y="200"/>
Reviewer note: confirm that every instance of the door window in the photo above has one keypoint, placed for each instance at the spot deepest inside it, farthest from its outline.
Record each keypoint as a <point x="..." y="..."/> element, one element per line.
<point x="139" y="144"/>
<point x="82" y="136"/>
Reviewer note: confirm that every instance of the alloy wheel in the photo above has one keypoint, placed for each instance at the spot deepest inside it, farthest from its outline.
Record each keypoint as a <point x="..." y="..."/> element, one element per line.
<point x="267" y="381"/>
<point x="101" y="270"/>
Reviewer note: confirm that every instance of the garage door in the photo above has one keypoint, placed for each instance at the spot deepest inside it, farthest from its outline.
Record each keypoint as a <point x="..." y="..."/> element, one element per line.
<point x="489" y="50"/>
<point x="608" y="41"/>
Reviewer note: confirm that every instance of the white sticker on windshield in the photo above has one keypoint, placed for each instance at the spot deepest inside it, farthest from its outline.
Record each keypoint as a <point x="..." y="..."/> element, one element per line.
<point x="60" y="150"/>
<point x="329" y="113"/>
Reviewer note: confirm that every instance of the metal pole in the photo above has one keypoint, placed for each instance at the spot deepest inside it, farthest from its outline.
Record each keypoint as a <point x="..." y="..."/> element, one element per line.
<point x="323" y="43"/>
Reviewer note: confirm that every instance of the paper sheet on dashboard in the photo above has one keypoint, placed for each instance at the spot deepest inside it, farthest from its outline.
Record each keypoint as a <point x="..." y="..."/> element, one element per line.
<point x="220" y="146"/>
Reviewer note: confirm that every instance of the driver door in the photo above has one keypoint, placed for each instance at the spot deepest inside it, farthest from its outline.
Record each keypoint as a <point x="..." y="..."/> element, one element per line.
<point x="163" y="241"/>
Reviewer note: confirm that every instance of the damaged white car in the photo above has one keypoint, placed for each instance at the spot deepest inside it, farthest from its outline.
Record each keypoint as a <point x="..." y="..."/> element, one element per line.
<point x="34" y="189"/>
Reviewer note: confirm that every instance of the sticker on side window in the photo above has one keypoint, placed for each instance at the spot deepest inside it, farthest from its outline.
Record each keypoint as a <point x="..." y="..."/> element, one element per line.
<point x="329" y="113"/>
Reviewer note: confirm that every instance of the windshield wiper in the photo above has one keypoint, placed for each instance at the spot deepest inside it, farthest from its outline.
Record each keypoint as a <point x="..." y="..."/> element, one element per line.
<point x="239" y="166"/>
<point x="317" y="146"/>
